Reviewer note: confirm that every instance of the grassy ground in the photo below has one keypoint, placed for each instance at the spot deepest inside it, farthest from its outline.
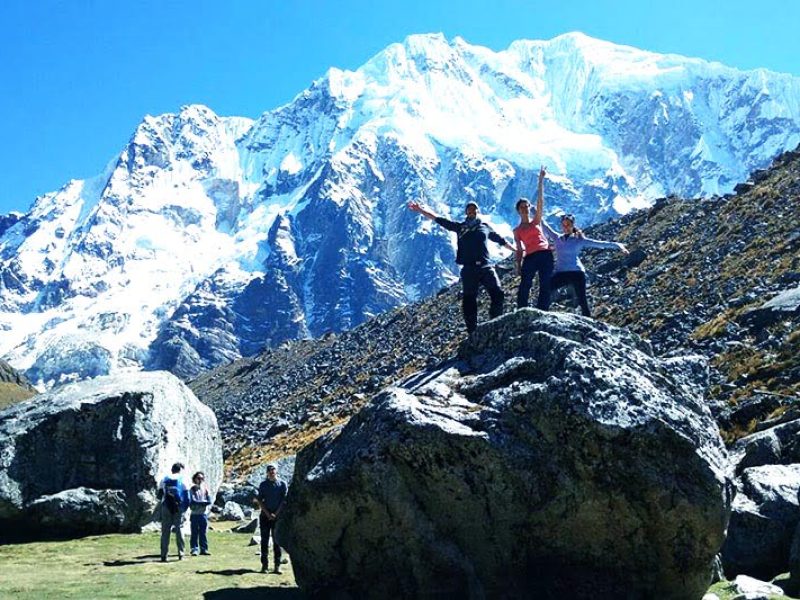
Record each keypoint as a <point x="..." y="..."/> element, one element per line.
<point x="128" y="566"/>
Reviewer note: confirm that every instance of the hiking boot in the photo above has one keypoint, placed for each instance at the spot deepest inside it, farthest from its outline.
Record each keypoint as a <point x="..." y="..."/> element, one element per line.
<point x="163" y="559"/>
<point x="180" y="555"/>
<point x="195" y="552"/>
<point x="265" y="569"/>
<point x="277" y="570"/>
<point x="206" y="553"/>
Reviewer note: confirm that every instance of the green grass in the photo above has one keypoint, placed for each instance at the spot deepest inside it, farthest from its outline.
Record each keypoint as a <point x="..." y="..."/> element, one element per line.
<point x="127" y="566"/>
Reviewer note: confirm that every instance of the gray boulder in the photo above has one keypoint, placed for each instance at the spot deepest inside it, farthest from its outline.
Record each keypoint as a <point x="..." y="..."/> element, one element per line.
<point x="556" y="457"/>
<point x="778" y="445"/>
<point x="765" y="515"/>
<point x="231" y="512"/>
<point x="87" y="457"/>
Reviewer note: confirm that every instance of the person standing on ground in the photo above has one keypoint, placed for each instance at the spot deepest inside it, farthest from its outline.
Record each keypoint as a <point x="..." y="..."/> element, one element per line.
<point x="174" y="501"/>
<point x="569" y="270"/>
<point x="199" y="501"/>
<point x="534" y="254"/>
<point x="271" y="496"/>
<point x="473" y="256"/>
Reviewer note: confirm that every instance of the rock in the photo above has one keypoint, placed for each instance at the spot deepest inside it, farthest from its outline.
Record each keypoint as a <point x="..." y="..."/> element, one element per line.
<point x="255" y="541"/>
<point x="90" y="454"/>
<point x="753" y="589"/>
<point x="765" y="515"/>
<point x="231" y="512"/>
<point x="284" y="465"/>
<point x="240" y="493"/>
<point x="82" y="510"/>
<point x="783" y="306"/>
<point x="557" y="457"/>
<point x="773" y="446"/>
<point x="250" y="527"/>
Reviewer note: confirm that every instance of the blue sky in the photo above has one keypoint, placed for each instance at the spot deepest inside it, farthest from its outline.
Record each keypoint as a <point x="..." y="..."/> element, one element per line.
<point x="77" y="76"/>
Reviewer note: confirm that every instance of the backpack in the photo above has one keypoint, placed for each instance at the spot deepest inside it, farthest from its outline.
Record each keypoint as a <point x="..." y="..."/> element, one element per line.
<point x="172" y="496"/>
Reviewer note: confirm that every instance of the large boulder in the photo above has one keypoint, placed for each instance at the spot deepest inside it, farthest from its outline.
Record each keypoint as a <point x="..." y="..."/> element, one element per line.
<point x="86" y="458"/>
<point x="764" y="517"/>
<point x="556" y="457"/>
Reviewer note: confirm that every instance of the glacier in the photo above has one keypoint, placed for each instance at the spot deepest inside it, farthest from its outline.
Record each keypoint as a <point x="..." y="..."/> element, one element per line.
<point x="209" y="238"/>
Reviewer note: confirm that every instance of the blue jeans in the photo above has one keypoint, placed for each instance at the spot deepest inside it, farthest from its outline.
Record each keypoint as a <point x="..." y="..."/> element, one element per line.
<point x="199" y="526"/>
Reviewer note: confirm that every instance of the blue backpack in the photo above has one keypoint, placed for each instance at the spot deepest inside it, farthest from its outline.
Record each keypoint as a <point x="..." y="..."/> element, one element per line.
<point x="172" y="496"/>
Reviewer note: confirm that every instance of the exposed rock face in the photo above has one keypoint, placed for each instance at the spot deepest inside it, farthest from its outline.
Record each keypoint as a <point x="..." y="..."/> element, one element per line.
<point x="765" y="515"/>
<point x="87" y="457"/>
<point x="557" y="457"/>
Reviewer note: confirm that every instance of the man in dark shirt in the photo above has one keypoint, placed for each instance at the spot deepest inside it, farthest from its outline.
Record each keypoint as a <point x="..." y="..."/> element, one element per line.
<point x="473" y="256"/>
<point x="270" y="499"/>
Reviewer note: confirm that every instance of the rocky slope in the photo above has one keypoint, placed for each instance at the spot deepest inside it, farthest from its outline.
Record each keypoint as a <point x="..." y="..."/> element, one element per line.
<point x="717" y="276"/>
<point x="211" y="237"/>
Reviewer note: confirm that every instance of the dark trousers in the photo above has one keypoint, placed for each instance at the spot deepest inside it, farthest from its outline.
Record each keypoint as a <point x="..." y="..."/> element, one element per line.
<point x="577" y="279"/>
<point x="199" y="527"/>
<point x="171" y="522"/>
<point x="542" y="263"/>
<point x="472" y="278"/>
<point x="267" y="528"/>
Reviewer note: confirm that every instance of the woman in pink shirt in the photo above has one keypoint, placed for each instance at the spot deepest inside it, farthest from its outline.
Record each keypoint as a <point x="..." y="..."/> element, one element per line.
<point x="533" y="251"/>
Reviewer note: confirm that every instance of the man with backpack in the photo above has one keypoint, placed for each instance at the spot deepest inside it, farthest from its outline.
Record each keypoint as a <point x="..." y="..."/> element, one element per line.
<point x="174" y="501"/>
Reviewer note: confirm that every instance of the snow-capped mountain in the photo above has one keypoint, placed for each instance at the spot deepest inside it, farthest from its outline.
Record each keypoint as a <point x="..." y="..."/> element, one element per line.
<point x="210" y="237"/>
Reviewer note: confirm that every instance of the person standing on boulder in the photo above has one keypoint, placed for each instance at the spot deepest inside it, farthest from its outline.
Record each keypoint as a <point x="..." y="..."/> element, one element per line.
<point x="569" y="270"/>
<point x="473" y="256"/>
<point x="174" y="502"/>
<point x="534" y="254"/>
<point x="271" y="496"/>
<point x="199" y="501"/>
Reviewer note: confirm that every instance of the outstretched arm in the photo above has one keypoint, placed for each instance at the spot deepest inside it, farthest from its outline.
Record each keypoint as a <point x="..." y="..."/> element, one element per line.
<point x="499" y="239"/>
<point x="426" y="212"/>
<point x="602" y="245"/>
<point x="537" y="218"/>
<point x="420" y="208"/>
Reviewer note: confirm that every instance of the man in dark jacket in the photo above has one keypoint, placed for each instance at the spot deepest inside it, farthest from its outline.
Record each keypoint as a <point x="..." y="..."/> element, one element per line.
<point x="473" y="256"/>
<point x="270" y="499"/>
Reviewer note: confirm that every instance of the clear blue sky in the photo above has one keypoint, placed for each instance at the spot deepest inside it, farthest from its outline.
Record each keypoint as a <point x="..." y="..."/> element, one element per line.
<point x="77" y="76"/>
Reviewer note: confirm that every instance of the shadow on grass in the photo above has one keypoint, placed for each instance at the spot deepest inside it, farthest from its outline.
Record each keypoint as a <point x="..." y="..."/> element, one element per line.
<point x="268" y="593"/>
<point x="139" y="560"/>
<point x="227" y="572"/>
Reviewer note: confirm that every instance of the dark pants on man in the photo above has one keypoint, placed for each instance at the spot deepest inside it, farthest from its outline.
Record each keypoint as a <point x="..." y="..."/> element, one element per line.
<point x="171" y="522"/>
<point x="472" y="278"/>
<point x="542" y="263"/>
<point x="198" y="541"/>
<point x="268" y="527"/>
<point x="577" y="279"/>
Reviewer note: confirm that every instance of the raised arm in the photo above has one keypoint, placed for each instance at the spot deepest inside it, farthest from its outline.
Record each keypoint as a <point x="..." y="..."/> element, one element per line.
<point x="550" y="233"/>
<point x="423" y="210"/>
<point x="429" y="214"/>
<point x="537" y="218"/>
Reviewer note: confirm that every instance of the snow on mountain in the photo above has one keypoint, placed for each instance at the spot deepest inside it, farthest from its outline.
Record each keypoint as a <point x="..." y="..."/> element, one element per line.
<point x="210" y="237"/>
